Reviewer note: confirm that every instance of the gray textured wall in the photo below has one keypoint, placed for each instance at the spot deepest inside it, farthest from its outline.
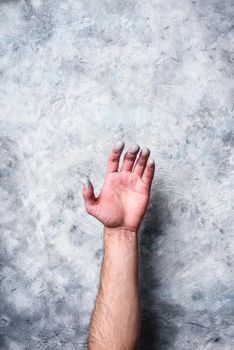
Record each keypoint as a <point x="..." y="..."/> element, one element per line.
<point x="75" y="76"/>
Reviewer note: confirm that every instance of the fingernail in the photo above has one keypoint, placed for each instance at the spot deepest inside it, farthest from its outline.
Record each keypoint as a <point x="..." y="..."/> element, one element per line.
<point x="134" y="148"/>
<point x="145" y="151"/>
<point x="151" y="162"/>
<point x="86" y="182"/>
<point x="119" y="145"/>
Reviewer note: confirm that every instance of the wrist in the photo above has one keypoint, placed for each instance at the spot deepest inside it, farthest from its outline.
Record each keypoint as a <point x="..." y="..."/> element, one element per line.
<point x="120" y="240"/>
<point x="120" y="233"/>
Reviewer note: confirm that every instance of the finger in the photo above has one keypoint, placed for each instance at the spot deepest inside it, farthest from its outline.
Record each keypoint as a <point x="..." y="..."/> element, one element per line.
<point x="114" y="157"/>
<point x="148" y="174"/>
<point x="130" y="157"/>
<point x="142" y="161"/>
<point x="88" y="195"/>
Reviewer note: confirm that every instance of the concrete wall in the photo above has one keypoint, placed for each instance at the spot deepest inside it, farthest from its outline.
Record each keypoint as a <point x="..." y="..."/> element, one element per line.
<point x="75" y="76"/>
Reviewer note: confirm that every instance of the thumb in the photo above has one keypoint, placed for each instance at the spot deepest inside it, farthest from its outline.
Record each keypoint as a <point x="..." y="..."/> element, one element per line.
<point x="88" y="194"/>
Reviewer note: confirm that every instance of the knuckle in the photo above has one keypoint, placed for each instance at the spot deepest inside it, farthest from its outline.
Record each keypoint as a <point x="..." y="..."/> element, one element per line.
<point x="142" y="161"/>
<point x="130" y="156"/>
<point x="151" y="168"/>
<point x="114" y="157"/>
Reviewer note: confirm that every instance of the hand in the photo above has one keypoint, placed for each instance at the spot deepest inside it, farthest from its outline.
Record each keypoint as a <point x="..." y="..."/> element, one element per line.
<point x="125" y="194"/>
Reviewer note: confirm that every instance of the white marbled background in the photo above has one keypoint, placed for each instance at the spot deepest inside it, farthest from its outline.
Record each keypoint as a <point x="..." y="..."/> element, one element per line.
<point x="75" y="76"/>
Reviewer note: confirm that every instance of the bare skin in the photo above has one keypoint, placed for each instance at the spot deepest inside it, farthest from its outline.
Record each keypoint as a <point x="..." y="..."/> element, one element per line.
<point x="120" y="206"/>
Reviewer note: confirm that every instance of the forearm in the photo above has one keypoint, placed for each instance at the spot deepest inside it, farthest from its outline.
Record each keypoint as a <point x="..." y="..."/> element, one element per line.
<point x="115" y="322"/>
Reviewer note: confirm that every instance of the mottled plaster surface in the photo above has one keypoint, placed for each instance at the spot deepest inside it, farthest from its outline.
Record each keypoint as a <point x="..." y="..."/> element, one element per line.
<point x="75" y="76"/>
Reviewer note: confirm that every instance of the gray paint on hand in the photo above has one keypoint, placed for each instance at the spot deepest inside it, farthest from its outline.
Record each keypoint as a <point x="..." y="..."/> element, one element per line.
<point x="75" y="77"/>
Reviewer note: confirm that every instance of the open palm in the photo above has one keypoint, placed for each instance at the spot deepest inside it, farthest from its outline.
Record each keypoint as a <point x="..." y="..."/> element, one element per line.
<point x="125" y="194"/>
